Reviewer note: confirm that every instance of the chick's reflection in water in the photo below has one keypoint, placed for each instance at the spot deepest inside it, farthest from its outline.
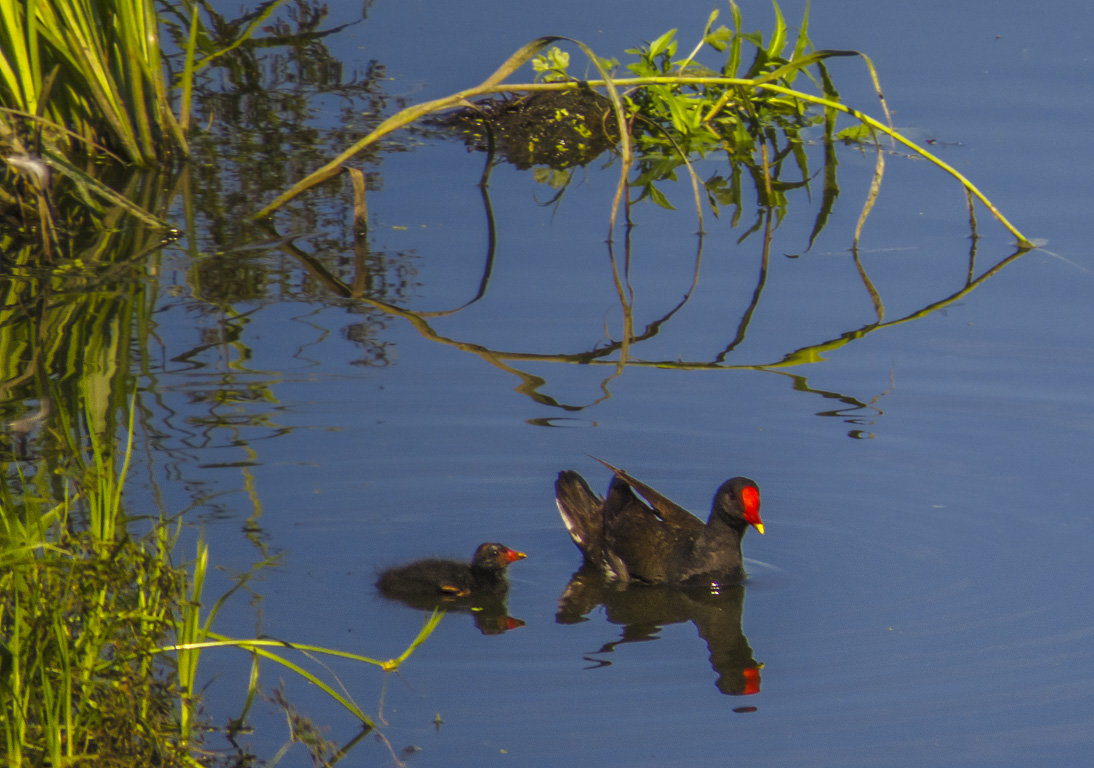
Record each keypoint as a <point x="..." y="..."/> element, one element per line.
<point x="643" y="609"/>
<point x="478" y="588"/>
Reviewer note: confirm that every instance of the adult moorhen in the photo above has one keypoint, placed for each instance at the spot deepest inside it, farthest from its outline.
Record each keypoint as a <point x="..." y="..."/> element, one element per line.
<point x="658" y="543"/>
<point x="451" y="580"/>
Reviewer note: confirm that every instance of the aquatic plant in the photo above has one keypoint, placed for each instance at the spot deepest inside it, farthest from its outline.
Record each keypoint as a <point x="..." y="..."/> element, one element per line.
<point x="675" y="109"/>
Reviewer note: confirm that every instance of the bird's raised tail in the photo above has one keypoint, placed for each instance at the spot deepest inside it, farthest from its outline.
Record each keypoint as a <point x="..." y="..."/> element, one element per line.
<point x="581" y="513"/>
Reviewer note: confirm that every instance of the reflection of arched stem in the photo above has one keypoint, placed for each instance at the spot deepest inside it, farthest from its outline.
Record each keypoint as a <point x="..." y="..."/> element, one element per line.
<point x="813" y="352"/>
<point x="491" y="236"/>
<point x="973" y="239"/>
<point x="801" y="384"/>
<point x="875" y="297"/>
<point x="746" y="318"/>
<point x="625" y="292"/>
<point x="530" y="384"/>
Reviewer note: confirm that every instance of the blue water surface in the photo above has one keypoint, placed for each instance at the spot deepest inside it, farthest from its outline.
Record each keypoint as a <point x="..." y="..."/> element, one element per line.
<point x="921" y="595"/>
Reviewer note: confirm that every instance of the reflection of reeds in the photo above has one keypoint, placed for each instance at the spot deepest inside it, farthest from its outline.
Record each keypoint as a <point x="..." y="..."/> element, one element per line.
<point x="66" y="330"/>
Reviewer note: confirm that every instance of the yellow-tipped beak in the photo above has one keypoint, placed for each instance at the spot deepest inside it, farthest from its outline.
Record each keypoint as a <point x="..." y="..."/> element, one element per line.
<point x="759" y="527"/>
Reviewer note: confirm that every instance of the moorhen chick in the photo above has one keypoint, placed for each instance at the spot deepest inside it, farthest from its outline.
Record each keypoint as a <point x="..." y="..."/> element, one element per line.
<point x="659" y="542"/>
<point x="450" y="580"/>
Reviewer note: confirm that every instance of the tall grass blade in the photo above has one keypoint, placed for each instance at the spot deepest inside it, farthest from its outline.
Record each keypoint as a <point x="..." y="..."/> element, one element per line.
<point x="189" y="68"/>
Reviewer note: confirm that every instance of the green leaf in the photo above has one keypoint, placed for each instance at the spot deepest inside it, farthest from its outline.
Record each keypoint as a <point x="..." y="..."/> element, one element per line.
<point x="803" y="37"/>
<point x="778" y="36"/>
<point x="719" y="38"/>
<point x="658" y="197"/>
<point x="663" y="43"/>
<point x="860" y="133"/>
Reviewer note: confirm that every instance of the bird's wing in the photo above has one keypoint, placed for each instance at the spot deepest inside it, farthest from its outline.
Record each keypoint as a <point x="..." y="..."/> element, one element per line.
<point x="668" y="510"/>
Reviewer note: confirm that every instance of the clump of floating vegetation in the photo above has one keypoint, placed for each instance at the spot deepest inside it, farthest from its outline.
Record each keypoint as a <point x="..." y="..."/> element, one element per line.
<point x="670" y="109"/>
<point x="554" y="129"/>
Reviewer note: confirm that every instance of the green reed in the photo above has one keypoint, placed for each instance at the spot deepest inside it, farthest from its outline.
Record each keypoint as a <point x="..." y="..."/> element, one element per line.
<point x="85" y="89"/>
<point x="88" y="73"/>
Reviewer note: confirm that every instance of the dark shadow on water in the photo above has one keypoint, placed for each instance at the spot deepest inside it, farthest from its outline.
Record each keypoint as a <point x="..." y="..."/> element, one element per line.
<point x="642" y="610"/>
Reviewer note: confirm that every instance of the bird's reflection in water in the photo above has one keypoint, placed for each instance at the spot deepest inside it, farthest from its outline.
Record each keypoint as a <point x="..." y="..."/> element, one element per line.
<point x="643" y="609"/>
<point x="489" y="612"/>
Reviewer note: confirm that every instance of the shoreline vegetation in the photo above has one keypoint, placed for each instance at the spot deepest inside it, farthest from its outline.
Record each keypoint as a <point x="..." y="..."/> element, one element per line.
<point x="102" y="628"/>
